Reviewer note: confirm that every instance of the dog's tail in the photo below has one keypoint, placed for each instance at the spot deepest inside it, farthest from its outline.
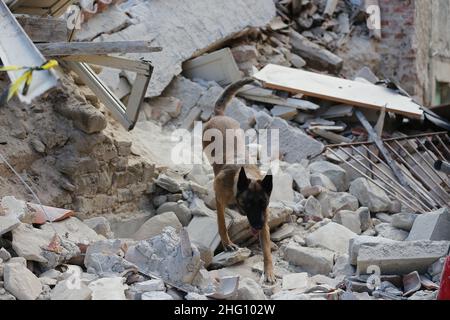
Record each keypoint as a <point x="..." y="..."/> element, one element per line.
<point x="228" y="94"/>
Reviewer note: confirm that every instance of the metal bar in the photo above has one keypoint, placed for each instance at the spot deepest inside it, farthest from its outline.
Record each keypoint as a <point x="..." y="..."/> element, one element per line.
<point x="398" y="174"/>
<point x="390" y="139"/>
<point x="418" y="208"/>
<point x="418" y="164"/>
<point x="16" y="48"/>
<point x="430" y="140"/>
<point x="418" y="201"/>
<point x="373" y="181"/>
<point x="412" y="189"/>
<point x="446" y="138"/>
<point x="423" y="170"/>
<point x="421" y="184"/>
<point x="415" y="175"/>
<point x="447" y="150"/>
<point x="420" y="204"/>
<point x="430" y="165"/>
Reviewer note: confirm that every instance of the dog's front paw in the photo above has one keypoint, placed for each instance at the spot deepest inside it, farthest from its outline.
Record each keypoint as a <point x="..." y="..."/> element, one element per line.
<point x="269" y="277"/>
<point x="230" y="246"/>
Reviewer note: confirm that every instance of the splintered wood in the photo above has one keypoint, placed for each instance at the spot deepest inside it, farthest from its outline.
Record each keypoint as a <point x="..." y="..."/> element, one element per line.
<point x="336" y="89"/>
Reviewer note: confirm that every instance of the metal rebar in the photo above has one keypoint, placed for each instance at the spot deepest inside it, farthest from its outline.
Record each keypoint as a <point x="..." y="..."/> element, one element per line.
<point x="420" y="166"/>
<point x="419" y="194"/>
<point x="444" y="146"/>
<point x="430" y="165"/>
<point x="382" y="179"/>
<point x="416" y="185"/>
<point x="416" y="176"/>
<point x="373" y="181"/>
<point x="399" y="186"/>
<point x="430" y="140"/>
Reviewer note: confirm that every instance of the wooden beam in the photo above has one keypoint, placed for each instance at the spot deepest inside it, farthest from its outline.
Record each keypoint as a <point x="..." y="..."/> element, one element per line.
<point x="380" y="145"/>
<point x="258" y="94"/>
<point x="95" y="48"/>
<point x="112" y="62"/>
<point x="44" y="29"/>
<point x="364" y="95"/>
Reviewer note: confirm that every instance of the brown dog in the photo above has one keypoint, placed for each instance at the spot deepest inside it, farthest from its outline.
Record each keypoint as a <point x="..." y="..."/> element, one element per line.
<point x="239" y="184"/>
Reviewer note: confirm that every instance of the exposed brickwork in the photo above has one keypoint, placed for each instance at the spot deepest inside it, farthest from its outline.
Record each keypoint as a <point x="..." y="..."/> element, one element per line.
<point x="413" y="32"/>
<point x="398" y="47"/>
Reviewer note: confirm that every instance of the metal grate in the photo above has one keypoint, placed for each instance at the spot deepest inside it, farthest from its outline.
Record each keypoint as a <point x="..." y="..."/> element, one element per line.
<point x="424" y="188"/>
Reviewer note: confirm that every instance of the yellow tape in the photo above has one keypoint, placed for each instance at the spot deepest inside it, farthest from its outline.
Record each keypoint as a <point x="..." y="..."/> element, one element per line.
<point x="26" y="79"/>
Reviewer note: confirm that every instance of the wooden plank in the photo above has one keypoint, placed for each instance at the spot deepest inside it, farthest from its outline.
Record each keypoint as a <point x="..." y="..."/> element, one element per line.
<point x="111" y="62"/>
<point x="38" y="3"/>
<point x="92" y="48"/>
<point x="44" y="29"/>
<point x="41" y="7"/>
<point x="253" y="93"/>
<point x="336" y="89"/>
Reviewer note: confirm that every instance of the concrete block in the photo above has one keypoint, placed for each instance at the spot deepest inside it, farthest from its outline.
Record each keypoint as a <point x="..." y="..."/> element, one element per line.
<point x="433" y="226"/>
<point x="312" y="260"/>
<point x="401" y="257"/>
<point x="331" y="236"/>
<point x="356" y="243"/>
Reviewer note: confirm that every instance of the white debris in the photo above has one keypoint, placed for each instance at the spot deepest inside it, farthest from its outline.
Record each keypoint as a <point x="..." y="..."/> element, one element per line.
<point x="331" y="236"/>
<point x="21" y="282"/>
<point x="108" y="289"/>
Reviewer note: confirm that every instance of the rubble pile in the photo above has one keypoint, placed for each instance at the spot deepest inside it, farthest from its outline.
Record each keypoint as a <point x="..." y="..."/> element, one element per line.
<point x="326" y="246"/>
<point x="137" y="225"/>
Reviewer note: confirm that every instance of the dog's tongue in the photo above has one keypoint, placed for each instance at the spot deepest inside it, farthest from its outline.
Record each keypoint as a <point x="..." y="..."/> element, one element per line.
<point x="254" y="231"/>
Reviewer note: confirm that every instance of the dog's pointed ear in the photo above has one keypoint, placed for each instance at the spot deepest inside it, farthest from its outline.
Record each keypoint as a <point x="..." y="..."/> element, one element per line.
<point x="243" y="181"/>
<point x="267" y="183"/>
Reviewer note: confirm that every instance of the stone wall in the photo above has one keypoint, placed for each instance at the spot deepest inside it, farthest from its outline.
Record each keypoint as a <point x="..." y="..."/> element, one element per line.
<point x="415" y="44"/>
<point x="398" y="48"/>
<point x="82" y="163"/>
<point x="440" y="45"/>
